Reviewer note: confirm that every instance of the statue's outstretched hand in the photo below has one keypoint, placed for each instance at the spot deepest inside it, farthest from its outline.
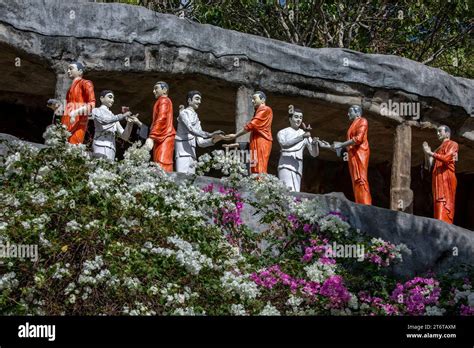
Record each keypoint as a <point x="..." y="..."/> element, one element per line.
<point x="426" y="147"/>
<point x="217" y="137"/>
<point x="149" y="144"/>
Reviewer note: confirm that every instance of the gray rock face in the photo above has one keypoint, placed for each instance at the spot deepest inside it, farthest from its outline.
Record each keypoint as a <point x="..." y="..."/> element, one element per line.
<point x="434" y="245"/>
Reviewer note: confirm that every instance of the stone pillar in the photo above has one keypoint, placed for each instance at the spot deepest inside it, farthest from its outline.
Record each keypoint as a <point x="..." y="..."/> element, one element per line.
<point x="63" y="82"/>
<point x="243" y="114"/>
<point x="401" y="196"/>
<point x="243" y="110"/>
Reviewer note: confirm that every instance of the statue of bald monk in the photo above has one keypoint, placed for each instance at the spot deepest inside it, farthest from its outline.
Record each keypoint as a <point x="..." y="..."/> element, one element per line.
<point x="162" y="133"/>
<point x="190" y="134"/>
<point x="260" y="128"/>
<point x="358" y="153"/>
<point x="80" y="100"/>
<point x="444" y="181"/>
<point x="293" y="140"/>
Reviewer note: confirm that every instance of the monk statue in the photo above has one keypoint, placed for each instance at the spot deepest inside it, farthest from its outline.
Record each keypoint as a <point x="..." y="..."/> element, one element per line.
<point x="190" y="133"/>
<point x="358" y="153"/>
<point x="260" y="128"/>
<point x="80" y="100"/>
<point x="293" y="140"/>
<point x="444" y="174"/>
<point x="162" y="133"/>
<point x="107" y="125"/>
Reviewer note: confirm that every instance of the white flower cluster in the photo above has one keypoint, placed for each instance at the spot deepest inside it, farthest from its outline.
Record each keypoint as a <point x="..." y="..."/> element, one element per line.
<point x="139" y="309"/>
<point x="269" y="310"/>
<point x="266" y="189"/>
<point x="102" y="181"/>
<point x="174" y="298"/>
<point x="38" y="198"/>
<point x="229" y="163"/>
<point x="12" y="164"/>
<point x="126" y="224"/>
<point x="334" y="225"/>
<point x="40" y="222"/>
<point x="132" y="283"/>
<point x="306" y="209"/>
<point x="61" y="272"/>
<point x="8" y="281"/>
<point x="294" y="302"/>
<point x="238" y="309"/>
<point x="187" y="311"/>
<point x="137" y="154"/>
<point x="73" y="225"/>
<point x="90" y="267"/>
<point x="434" y="311"/>
<point x="319" y="272"/>
<point x="240" y="284"/>
<point x="466" y="294"/>
<point x="56" y="135"/>
<point x="191" y="259"/>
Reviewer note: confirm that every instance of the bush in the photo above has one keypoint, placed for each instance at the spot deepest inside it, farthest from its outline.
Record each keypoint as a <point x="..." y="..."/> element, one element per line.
<point x="124" y="237"/>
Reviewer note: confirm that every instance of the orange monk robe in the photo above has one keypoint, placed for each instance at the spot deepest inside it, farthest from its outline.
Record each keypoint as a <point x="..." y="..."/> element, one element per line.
<point x="358" y="159"/>
<point x="80" y="93"/>
<point x="162" y="132"/>
<point x="260" y="128"/>
<point x="444" y="181"/>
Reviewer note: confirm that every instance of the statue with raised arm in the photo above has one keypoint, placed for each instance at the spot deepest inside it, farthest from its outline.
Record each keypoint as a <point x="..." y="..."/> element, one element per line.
<point x="358" y="153"/>
<point x="190" y="133"/>
<point x="293" y="140"/>
<point x="444" y="181"/>
<point x="162" y="133"/>
<point x="107" y="125"/>
<point x="260" y="128"/>
<point x="80" y="100"/>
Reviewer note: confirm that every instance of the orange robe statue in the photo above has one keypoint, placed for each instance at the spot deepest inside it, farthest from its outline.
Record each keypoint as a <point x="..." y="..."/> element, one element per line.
<point x="80" y="93"/>
<point x="444" y="181"/>
<point x="163" y="133"/>
<point x="260" y="138"/>
<point x="358" y="159"/>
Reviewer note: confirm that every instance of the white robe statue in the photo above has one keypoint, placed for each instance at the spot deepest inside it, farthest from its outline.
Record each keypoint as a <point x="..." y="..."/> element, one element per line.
<point x="188" y="135"/>
<point x="107" y="125"/>
<point x="290" y="166"/>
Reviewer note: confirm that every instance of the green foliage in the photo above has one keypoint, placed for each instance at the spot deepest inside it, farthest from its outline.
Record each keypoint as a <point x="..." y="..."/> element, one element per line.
<point x="436" y="33"/>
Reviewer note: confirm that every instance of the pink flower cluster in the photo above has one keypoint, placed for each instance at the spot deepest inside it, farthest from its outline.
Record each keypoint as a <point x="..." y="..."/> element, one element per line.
<point x="382" y="255"/>
<point x="377" y="304"/>
<point x="226" y="216"/>
<point x="415" y="294"/>
<point x="272" y="276"/>
<point x="333" y="287"/>
<point x="320" y="248"/>
<point x="466" y="310"/>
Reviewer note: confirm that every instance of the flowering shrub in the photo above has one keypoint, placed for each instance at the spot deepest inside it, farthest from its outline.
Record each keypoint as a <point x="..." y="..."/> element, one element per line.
<point x="415" y="294"/>
<point x="123" y="238"/>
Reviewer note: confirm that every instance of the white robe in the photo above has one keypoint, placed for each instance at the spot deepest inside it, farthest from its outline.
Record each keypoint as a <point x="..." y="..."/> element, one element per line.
<point x="290" y="166"/>
<point x="189" y="134"/>
<point x="107" y="125"/>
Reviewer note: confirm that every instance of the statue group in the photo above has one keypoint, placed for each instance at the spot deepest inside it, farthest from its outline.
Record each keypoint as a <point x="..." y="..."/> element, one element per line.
<point x="165" y="142"/>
